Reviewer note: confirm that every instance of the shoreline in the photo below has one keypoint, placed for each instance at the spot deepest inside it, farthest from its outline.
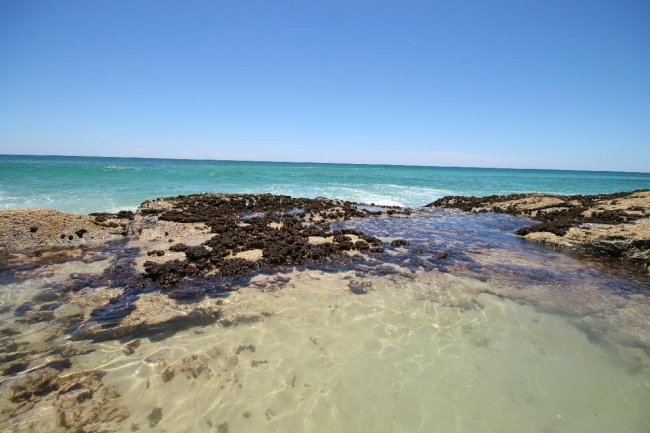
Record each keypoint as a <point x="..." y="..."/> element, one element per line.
<point x="596" y="226"/>
<point x="176" y="256"/>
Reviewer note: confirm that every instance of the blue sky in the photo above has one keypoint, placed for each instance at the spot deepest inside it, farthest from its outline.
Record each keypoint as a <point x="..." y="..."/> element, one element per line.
<point x="524" y="84"/>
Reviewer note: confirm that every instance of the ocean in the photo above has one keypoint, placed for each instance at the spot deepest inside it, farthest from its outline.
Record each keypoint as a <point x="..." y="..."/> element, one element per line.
<point x="89" y="184"/>
<point x="497" y="334"/>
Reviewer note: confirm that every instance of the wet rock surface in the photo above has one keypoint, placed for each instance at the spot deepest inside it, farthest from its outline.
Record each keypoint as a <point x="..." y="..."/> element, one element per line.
<point x="250" y="232"/>
<point x="80" y="400"/>
<point x="33" y="228"/>
<point x="144" y="285"/>
<point x="613" y="225"/>
<point x="195" y="248"/>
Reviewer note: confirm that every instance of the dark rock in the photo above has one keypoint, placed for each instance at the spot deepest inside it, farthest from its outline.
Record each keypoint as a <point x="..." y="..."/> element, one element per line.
<point x="178" y="248"/>
<point x="241" y="348"/>
<point x="155" y="416"/>
<point x="59" y="364"/>
<point x="24" y="308"/>
<point x="50" y="307"/>
<point x="39" y="382"/>
<point x="199" y="317"/>
<point x="37" y="317"/>
<point x="196" y="253"/>
<point x="8" y="332"/>
<point x="13" y="356"/>
<point x="168" y="273"/>
<point x="47" y="296"/>
<point x="186" y="293"/>
<point x="168" y="374"/>
<point x="236" y="267"/>
<point x="67" y="351"/>
<point x="116" y="310"/>
<point x="130" y="347"/>
<point x="244" y="222"/>
<point x="148" y="211"/>
<point x="361" y="245"/>
<point x="15" y="368"/>
<point x="119" y="275"/>
<point x="556" y="219"/>
<point x="101" y="217"/>
<point x="7" y="346"/>
<point x="36" y="384"/>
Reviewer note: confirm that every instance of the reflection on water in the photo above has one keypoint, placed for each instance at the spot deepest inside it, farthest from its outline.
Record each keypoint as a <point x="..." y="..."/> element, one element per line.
<point x="495" y="335"/>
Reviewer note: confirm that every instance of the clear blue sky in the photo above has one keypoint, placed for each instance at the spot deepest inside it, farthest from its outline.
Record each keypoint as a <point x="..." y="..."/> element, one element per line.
<point x="532" y="84"/>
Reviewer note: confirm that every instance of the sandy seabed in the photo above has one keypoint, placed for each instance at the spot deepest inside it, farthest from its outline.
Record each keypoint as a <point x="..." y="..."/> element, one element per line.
<point x="461" y="327"/>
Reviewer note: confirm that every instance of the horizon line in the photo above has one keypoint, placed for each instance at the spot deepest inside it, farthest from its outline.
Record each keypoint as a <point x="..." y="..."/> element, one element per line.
<point x="324" y="163"/>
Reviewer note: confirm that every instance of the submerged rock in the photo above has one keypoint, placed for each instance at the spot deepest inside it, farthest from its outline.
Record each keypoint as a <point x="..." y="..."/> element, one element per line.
<point x="35" y="385"/>
<point x="613" y="225"/>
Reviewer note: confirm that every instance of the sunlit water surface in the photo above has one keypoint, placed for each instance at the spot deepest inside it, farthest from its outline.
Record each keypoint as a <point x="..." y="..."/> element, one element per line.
<point x="500" y="336"/>
<point x="88" y="184"/>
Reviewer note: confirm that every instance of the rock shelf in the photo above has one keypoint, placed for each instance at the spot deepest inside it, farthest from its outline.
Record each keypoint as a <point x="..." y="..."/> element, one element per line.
<point x="603" y="225"/>
<point x="250" y="232"/>
<point x="213" y="239"/>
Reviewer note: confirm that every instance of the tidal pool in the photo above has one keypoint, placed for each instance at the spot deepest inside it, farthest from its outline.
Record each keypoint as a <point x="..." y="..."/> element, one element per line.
<point x="466" y="329"/>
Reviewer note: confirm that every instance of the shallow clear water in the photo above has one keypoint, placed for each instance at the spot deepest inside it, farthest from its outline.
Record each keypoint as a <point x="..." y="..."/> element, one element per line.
<point x="84" y="184"/>
<point x="502" y="335"/>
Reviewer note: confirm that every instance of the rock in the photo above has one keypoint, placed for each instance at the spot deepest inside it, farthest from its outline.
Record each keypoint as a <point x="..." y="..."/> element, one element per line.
<point x="250" y="232"/>
<point x="36" y="384"/>
<point x="30" y="228"/>
<point x="155" y="416"/>
<point x="611" y="225"/>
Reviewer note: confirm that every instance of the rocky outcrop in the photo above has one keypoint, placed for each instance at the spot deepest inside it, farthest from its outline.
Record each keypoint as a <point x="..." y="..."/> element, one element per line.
<point x="33" y="228"/>
<point x="163" y="250"/>
<point x="615" y="225"/>
<point x="246" y="232"/>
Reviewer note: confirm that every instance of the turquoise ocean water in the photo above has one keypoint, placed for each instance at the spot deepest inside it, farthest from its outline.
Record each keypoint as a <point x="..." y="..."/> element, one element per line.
<point x="89" y="184"/>
<point x="498" y="335"/>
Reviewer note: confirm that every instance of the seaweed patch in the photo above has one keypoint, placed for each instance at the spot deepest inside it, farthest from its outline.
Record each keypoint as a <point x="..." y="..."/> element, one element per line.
<point x="283" y="230"/>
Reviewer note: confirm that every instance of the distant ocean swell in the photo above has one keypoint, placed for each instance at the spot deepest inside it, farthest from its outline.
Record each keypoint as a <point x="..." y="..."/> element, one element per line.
<point x="88" y="184"/>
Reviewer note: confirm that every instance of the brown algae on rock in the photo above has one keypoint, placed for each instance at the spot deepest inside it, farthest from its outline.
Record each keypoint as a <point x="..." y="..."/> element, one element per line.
<point x="610" y="225"/>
